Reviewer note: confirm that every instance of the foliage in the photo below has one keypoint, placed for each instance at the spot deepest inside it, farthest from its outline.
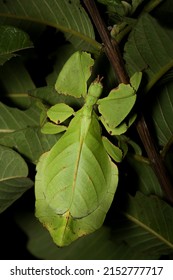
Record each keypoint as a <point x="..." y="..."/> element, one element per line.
<point x="47" y="51"/>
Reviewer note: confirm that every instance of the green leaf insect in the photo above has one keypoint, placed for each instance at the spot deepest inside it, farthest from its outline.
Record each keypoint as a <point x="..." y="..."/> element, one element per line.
<point x="76" y="180"/>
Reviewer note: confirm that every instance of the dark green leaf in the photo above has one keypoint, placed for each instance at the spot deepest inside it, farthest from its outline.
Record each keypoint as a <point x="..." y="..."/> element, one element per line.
<point x="50" y="96"/>
<point x="161" y="113"/>
<point x="156" y="58"/>
<point x="67" y="16"/>
<point x="15" y="83"/>
<point x="149" y="224"/>
<point x="29" y="142"/>
<point x="21" y="130"/>
<point x="12" y="119"/>
<point x="12" y="40"/>
<point x="13" y="177"/>
<point x="63" y="53"/>
<point x="145" y="179"/>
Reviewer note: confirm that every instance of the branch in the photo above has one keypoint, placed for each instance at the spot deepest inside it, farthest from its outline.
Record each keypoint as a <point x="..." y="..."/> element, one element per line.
<point x="110" y="46"/>
<point x="113" y="53"/>
<point x="155" y="158"/>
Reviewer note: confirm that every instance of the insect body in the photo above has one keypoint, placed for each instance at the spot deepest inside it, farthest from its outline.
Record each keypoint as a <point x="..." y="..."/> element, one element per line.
<point x="76" y="180"/>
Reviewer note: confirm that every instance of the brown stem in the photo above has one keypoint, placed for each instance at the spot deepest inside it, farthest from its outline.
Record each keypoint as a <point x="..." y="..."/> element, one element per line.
<point x="155" y="158"/>
<point x="113" y="53"/>
<point x="110" y="47"/>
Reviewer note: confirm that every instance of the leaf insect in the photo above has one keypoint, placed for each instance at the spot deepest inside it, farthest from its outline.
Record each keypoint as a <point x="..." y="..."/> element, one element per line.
<point x="76" y="180"/>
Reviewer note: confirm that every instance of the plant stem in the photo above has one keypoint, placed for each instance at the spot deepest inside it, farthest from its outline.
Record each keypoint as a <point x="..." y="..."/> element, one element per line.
<point x="155" y="158"/>
<point x="113" y="53"/>
<point x="110" y="46"/>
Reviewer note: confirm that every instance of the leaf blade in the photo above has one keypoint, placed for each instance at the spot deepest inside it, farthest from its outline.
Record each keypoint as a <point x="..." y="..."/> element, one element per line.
<point x="148" y="221"/>
<point x="67" y="16"/>
<point x="16" y="82"/>
<point x="156" y="58"/>
<point x="12" y="39"/>
<point x="13" y="177"/>
<point x="21" y="129"/>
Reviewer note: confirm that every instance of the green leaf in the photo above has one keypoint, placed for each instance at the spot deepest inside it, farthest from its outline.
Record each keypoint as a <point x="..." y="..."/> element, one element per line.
<point x="20" y="129"/>
<point x="59" y="113"/>
<point x="51" y="97"/>
<point x="161" y="113"/>
<point x="75" y="181"/>
<point x="67" y="16"/>
<point x="29" y="142"/>
<point x="145" y="179"/>
<point x="12" y="40"/>
<point x="12" y="119"/>
<point x="73" y="77"/>
<point x="114" y="151"/>
<point x="13" y="177"/>
<point x="117" y="105"/>
<point x="148" y="221"/>
<point x="156" y="58"/>
<point x="114" y="6"/>
<point x="62" y="54"/>
<point x="16" y="82"/>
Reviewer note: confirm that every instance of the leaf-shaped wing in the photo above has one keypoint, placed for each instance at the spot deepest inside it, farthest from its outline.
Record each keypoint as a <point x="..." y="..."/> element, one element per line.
<point x="75" y="181"/>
